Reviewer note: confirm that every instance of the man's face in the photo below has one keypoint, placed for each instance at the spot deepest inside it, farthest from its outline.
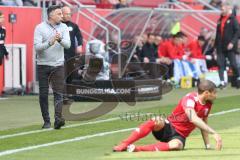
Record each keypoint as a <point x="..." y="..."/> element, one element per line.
<point x="184" y="40"/>
<point x="123" y="2"/>
<point x="56" y="16"/>
<point x="144" y="38"/>
<point x="158" y="40"/>
<point x="67" y="14"/>
<point x="138" y="40"/>
<point x="225" y="9"/>
<point x="177" y="41"/>
<point x="1" y="19"/>
<point x="151" y="39"/>
<point x="201" y="43"/>
<point x="210" y="96"/>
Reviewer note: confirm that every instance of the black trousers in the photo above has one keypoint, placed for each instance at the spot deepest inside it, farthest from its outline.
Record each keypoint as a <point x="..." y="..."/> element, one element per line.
<point x="221" y="61"/>
<point x="54" y="76"/>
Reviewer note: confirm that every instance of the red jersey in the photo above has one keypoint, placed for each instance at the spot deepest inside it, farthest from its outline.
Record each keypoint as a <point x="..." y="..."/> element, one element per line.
<point x="161" y="50"/>
<point x="196" y="50"/>
<point x="179" y="119"/>
<point x="170" y="50"/>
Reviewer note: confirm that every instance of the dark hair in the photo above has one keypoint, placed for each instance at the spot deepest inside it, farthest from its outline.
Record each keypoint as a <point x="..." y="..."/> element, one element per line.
<point x="150" y="34"/>
<point x="176" y="36"/>
<point x="201" y="38"/>
<point x="1" y="13"/>
<point x="206" y="85"/>
<point x="181" y="34"/>
<point x="53" y="8"/>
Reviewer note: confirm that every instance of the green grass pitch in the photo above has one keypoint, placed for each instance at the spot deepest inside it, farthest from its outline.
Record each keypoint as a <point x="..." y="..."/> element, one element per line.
<point x="22" y="114"/>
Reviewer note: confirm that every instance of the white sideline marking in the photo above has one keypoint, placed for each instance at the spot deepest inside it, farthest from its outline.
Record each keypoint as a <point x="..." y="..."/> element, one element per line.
<point x="9" y="152"/>
<point x="46" y="130"/>
<point x="1" y="98"/>
<point x="224" y="112"/>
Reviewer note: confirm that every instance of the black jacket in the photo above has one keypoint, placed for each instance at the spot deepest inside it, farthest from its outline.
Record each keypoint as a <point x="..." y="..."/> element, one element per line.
<point x="75" y="35"/>
<point x="230" y="34"/>
<point x="149" y="51"/>
<point x="3" y="51"/>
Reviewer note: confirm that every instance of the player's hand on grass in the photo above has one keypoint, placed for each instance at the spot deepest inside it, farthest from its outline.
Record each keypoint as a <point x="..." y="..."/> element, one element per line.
<point x="218" y="140"/>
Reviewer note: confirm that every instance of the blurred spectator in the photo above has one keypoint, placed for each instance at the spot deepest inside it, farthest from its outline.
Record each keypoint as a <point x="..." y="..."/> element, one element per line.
<point x="144" y="38"/>
<point x="215" y="3"/>
<point x="226" y="43"/>
<point x="149" y="52"/>
<point x="75" y="37"/>
<point x="12" y="2"/>
<point x="98" y="1"/>
<point x="113" y="2"/>
<point x="157" y="41"/>
<point x="137" y="56"/>
<point x="197" y="57"/>
<point x="3" y="51"/>
<point x="121" y="4"/>
<point x="29" y="3"/>
<point x="238" y="55"/>
<point x="170" y="54"/>
<point x="188" y="67"/>
<point x="210" y="53"/>
<point x="207" y="34"/>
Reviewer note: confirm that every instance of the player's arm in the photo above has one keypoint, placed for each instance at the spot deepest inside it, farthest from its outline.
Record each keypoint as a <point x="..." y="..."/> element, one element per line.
<point x="205" y="135"/>
<point x="191" y="114"/>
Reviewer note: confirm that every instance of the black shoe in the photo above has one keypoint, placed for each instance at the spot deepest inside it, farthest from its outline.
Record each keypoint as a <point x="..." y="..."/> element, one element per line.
<point x="59" y="123"/>
<point x="46" y="125"/>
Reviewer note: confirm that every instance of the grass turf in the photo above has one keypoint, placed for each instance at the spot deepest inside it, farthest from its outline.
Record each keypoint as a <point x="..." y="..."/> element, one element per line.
<point x="100" y="147"/>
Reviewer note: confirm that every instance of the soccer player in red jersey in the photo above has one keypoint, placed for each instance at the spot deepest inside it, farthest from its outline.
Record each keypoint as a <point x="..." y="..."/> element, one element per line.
<point x="171" y="133"/>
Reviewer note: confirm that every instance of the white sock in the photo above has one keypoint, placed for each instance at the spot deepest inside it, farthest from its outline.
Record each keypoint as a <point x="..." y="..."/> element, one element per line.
<point x="222" y="83"/>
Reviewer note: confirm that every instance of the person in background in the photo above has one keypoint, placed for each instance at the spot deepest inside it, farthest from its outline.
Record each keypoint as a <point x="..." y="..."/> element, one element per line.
<point x="51" y="37"/>
<point x="158" y="40"/>
<point x="171" y="51"/>
<point x="3" y="51"/>
<point x="75" y="37"/>
<point x="149" y="53"/>
<point x="121" y="4"/>
<point x="226" y="43"/>
<point x="29" y="3"/>
<point x="196" y="56"/>
<point x="12" y="2"/>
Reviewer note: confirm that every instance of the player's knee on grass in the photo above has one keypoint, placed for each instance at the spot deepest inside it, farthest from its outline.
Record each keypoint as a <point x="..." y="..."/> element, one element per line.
<point x="159" y="123"/>
<point x="175" y="144"/>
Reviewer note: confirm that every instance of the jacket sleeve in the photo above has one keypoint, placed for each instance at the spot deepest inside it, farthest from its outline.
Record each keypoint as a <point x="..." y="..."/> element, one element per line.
<point x="79" y="36"/>
<point x="39" y="45"/>
<point x="236" y="31"/>
<point x="66" y="42"/>
<point x="216" y="38"/>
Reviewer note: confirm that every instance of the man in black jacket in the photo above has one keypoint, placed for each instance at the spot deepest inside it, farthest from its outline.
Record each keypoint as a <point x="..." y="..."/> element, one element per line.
<point x="75" y="36"/>
<point x="226" y="42"/>
<point x="3" y="51"/>
<point x="149" y="50"/>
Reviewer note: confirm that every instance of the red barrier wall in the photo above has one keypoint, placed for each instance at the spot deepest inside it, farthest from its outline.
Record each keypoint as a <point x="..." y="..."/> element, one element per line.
<point x="23" y="30"/>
